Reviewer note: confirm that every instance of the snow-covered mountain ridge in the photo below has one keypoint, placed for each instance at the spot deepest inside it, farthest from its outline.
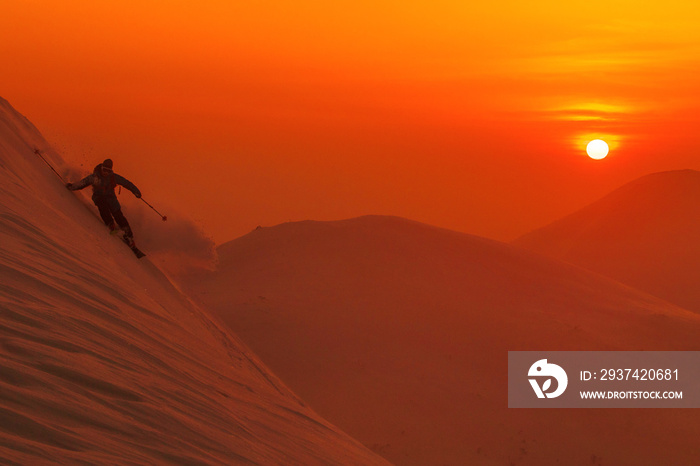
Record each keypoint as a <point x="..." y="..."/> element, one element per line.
<point x="103" y="361"/>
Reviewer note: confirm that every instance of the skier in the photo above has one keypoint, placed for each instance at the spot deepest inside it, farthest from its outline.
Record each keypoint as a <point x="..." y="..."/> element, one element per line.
<point x="103" y="181"/>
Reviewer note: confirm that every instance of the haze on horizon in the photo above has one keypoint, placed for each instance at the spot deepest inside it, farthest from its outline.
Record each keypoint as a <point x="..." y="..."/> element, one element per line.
<point x="469" y="117"/>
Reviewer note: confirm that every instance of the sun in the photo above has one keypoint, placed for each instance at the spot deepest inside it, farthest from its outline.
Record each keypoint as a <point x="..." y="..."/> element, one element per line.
<point x="597" y="149"/>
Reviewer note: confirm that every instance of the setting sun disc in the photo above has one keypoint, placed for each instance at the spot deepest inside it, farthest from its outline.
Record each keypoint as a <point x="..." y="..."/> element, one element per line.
<point x="597" y="149"/>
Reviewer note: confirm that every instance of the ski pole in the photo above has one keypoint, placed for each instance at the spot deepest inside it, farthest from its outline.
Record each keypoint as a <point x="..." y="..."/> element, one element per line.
<point x="38" y="152"/>
<point x="154" y="209"/>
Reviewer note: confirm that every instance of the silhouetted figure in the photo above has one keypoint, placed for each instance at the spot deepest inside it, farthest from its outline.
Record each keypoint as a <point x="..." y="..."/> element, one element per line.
<point x="103" y="181"/>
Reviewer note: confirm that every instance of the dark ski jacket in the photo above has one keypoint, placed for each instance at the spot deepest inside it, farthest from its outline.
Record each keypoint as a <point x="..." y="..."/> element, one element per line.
<point x="103" y="186"/>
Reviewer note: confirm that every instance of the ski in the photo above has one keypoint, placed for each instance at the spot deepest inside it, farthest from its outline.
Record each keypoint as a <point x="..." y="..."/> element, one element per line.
<point x="137" y="252"/>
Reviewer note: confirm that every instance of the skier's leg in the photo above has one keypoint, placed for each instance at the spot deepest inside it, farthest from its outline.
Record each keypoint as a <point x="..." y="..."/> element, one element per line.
<point x="116" y="212"/>
<point x="123" y="223"/>
<point x="105" y="212"/>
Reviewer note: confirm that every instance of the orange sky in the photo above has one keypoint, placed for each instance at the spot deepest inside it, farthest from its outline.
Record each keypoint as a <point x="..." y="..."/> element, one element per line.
<point x="471" y="117"/>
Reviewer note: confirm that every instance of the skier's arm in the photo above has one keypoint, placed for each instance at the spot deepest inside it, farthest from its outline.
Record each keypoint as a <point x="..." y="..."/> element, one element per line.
<point x="120" y="180"/>
<point x="85" y="182"/>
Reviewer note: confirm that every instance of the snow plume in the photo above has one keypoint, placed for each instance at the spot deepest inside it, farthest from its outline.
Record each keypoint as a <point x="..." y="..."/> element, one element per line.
<point x="177" y="245"/>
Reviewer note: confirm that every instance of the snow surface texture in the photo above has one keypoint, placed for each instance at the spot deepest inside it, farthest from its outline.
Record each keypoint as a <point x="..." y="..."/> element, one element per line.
<point x="407" y="328"/>
<point x="103" y="361"/>
<point x="645" y="234"/>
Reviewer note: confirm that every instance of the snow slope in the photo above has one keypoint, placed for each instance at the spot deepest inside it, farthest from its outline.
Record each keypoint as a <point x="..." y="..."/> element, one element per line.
<point x="103" y="361"/>
<point x="407" y="328"/>
<point x="645" y="234"/>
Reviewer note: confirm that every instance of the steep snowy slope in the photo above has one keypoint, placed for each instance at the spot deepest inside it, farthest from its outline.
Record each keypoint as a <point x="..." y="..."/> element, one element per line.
<point x="645" y="234"/>
<point x="409" y="326"/>
<point x="102" y="361"/>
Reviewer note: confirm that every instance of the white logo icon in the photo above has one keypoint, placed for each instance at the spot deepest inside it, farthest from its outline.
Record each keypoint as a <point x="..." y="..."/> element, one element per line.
<point x="543" y="369"/>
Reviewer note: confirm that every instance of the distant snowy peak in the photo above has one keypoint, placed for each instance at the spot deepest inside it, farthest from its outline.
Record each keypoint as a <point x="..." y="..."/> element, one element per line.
<point x="644" y="234"/>
<point x="413" y="324"/>
<point x="662" y="207"/>
<point x="671" y="191"/>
